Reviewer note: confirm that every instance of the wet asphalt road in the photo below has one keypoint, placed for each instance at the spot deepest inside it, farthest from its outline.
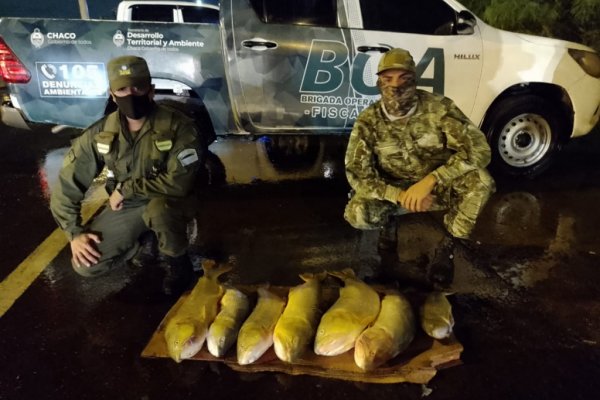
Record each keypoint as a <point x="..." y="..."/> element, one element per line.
<point x="527" y="301"/>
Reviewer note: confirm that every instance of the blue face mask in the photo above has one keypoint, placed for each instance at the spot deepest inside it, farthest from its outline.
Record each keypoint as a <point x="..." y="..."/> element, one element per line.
<point x="134" y="107"/>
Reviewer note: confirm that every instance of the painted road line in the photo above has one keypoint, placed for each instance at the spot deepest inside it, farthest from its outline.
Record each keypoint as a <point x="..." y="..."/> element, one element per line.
<point x="23" y="276"/>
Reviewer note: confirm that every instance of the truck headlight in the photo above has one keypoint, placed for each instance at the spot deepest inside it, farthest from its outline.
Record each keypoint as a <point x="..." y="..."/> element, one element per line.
<point x="587" y="60"/>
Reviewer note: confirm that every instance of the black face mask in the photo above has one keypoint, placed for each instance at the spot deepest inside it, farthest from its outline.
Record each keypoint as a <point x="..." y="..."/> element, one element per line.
<point x="134" y="107"/>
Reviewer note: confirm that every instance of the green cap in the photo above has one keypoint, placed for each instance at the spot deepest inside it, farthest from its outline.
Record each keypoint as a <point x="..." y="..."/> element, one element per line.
<point x="128" y="71"/>
<point x="396" y="58"/>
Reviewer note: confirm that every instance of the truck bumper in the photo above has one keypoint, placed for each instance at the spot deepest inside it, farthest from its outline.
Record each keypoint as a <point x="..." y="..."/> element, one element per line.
<point x="13" y="117"/>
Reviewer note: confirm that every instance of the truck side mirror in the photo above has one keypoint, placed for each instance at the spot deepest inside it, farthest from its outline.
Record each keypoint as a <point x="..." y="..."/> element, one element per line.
<point x="465" y="24"/>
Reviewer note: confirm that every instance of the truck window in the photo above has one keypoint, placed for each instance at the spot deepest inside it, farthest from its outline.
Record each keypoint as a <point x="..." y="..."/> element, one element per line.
<point x="200" y="15"/>
<point x="152" y="12"/>
<point x="428" y="17"/>
<point x="298" y="12"/>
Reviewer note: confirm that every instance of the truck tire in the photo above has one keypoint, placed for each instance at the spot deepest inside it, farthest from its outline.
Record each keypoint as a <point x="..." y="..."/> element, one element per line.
<point x="525" y="134"/>
<point x="292" y="153"/>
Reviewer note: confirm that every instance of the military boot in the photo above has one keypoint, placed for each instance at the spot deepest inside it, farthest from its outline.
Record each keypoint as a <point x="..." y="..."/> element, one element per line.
<point x="179" y="274"/>
<point x="441" y="267"/>
<point x="147" y="252"/>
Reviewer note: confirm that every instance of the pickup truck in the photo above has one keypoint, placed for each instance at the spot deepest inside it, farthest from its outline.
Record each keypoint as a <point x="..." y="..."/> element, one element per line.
<point x="274" y="67"/>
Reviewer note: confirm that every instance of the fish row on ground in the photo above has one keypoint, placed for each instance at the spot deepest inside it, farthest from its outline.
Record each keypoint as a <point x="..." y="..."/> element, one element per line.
<point x="378" y="329"/>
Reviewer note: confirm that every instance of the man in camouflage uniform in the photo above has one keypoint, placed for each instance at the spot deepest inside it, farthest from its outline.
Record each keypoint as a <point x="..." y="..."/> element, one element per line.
<point x="152" y="154"/>
<point x="415" y="151"/>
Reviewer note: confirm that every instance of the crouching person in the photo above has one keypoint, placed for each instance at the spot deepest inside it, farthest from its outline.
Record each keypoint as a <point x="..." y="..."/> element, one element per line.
<point x="414" y="151"/>
<point x="152" y="155"/>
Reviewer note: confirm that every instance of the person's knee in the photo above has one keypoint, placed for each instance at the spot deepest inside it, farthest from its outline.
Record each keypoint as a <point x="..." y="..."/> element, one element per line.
<point x="354" y="214"/>
<point x="357" y="222"/>
<point x="358" y="217"/>
<point x="105" y="265"/>
<point x="481" y="181"/>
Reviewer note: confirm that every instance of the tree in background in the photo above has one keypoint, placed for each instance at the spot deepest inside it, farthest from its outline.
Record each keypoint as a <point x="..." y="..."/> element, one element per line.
<point x="575" y="20"/>
<point x="586" y="15"/>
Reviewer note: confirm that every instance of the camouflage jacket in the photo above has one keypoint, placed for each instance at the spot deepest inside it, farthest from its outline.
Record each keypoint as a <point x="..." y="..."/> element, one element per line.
<point x="167" y="139"/>
<point x="383" y="156"/>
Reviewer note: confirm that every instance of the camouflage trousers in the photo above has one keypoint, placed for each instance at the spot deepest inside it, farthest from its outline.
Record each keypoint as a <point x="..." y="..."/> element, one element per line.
<point x="464" y="199"/>
<point x="120" y="231"/>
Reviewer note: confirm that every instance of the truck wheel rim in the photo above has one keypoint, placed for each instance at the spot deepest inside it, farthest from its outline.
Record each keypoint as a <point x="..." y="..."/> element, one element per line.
<point x="525" y="140"/>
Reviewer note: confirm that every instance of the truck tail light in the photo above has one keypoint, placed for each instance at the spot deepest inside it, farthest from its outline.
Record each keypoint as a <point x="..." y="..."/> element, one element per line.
<point x="11" y="69"/>
<point x="588" y="61"/>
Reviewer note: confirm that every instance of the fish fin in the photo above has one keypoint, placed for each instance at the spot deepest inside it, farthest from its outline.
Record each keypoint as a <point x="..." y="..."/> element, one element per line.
<point x="208" y="264"/>
<point x="344" y="274"/>
<point x="308" y="276"/>
<point x="202" y="314"/>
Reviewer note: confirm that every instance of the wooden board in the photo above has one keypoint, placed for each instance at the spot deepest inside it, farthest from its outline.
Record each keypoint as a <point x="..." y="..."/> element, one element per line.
<point x="417" y="364"/>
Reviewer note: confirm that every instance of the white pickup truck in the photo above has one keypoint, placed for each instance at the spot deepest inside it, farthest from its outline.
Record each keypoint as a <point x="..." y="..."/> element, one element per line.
<point x="276" y="67"/>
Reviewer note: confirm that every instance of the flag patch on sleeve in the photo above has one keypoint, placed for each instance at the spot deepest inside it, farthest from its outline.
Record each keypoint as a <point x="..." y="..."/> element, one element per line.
<point x="187" y="157"/>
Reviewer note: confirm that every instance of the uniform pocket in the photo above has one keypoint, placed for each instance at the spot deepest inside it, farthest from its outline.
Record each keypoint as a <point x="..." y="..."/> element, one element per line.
<point x="387" y="148"/>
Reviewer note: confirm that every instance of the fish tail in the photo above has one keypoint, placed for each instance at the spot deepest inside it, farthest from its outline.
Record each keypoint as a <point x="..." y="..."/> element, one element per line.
<point x="208" y="264"/>
<point x="263" y="291"/>
<point x="308" y="276"/>
<point x="344" y="274"/>
<point x="214" y="270"/>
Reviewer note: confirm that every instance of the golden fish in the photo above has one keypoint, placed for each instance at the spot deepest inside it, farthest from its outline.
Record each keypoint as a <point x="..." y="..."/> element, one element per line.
<point x="298" y="323"/>
<point x="256" y="334"/>
<point x="356" y="307"/>
<point x="185" y="331"/>
<point x="436" y="316"/>
<point x="223" y="332"/>
<point x="391" y="333"/>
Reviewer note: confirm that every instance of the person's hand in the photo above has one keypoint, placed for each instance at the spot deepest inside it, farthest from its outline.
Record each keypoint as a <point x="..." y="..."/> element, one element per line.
<point x="83" y="249"/>
<point x="418" y="197"/>
<point x="427" y="202"/>
<point x="116" y="200"/>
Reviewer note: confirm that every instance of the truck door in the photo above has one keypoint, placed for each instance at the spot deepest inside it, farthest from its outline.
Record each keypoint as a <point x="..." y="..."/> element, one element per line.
<point x="268" y="44"/>
<point x="446" y="49"/>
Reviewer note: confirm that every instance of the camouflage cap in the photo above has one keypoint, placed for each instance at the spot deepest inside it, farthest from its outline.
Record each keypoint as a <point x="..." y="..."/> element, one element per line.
<point x="396" y="58"/>
<point x="128" y="71"/>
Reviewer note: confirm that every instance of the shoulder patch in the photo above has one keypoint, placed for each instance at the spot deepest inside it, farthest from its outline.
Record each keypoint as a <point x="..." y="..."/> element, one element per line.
<point x="187" y="157"/>
<point x="104" y="141"/>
